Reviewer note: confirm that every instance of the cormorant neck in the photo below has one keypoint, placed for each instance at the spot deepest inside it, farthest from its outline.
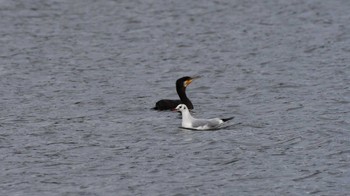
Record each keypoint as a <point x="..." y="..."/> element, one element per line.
<point x="181" y="91"/>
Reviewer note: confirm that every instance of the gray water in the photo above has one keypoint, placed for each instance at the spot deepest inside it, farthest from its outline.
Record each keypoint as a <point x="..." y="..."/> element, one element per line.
<point x="78" y="79"/>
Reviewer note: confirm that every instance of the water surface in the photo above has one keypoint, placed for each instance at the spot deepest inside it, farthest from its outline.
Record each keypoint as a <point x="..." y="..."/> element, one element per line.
<point x="78" y="79"/>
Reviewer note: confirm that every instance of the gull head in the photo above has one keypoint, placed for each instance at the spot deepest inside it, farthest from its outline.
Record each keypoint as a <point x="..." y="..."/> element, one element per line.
<point x="181" y="108"/>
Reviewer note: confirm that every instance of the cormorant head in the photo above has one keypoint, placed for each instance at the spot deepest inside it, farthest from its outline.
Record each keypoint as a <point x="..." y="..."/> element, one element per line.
<point x="181" y="107"/>
<point x="185" y="81"/>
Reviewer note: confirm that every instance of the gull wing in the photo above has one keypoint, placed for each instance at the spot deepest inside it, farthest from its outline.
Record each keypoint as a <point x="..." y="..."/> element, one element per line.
<point x="206" y="123"/>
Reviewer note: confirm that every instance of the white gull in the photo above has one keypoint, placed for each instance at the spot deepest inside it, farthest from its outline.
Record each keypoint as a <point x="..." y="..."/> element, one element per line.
<point x="189" y="122"/>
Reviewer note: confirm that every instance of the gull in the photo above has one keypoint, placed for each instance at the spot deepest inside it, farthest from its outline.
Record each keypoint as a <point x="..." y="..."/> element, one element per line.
<point x="189" y="122"/>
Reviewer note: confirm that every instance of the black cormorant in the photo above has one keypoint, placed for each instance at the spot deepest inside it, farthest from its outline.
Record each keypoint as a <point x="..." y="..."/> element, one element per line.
<point x="181" y="84"/>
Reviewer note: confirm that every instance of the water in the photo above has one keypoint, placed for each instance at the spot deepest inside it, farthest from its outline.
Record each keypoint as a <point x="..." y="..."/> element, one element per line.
<point x="78" y="79"/>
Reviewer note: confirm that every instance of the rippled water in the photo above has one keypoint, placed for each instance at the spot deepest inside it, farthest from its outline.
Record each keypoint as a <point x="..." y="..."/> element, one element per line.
<point x="78" y="79"/>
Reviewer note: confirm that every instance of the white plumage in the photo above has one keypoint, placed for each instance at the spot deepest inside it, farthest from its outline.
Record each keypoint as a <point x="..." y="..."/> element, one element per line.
<point x="199" y="124"/>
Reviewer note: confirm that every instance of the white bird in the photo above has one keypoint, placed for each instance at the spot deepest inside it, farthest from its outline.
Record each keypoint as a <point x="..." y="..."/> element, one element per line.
<point x="198" y="124"/>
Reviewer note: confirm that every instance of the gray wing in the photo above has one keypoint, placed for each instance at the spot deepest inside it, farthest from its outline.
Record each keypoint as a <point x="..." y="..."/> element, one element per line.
<point x="208" y="123"/>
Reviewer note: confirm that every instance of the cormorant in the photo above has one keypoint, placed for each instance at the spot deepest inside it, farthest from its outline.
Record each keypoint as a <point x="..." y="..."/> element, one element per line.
<point x="181" y="84"/>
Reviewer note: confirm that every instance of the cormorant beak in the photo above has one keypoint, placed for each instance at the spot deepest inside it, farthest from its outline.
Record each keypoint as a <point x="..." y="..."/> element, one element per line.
<point x="188" y="82"/>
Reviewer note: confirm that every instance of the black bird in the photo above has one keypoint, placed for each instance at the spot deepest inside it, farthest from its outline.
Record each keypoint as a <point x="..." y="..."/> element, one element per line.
<point x="181" y="84"/>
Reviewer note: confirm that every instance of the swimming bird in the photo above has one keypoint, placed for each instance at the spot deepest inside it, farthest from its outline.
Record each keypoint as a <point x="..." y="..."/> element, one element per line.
<point x="181" y="84"/>
<point x="199" y="124"/>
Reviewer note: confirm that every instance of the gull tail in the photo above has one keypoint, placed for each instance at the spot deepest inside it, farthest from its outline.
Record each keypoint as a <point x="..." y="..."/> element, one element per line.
<point x="227" y="119"/>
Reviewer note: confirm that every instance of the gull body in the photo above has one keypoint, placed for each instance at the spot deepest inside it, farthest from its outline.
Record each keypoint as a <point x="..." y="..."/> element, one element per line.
<point x="199" y="124"/>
